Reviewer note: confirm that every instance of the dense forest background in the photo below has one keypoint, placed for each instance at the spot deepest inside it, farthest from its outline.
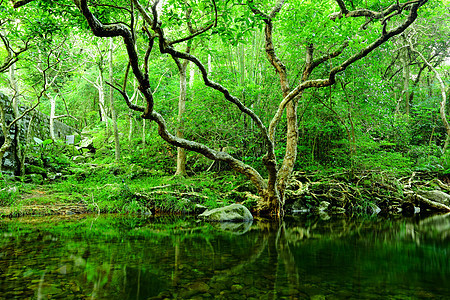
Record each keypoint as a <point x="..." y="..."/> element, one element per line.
<point x="385" y="112"/>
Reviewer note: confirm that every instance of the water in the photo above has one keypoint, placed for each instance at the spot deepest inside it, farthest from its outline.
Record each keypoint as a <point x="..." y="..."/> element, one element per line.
<point x="123" y="257"/>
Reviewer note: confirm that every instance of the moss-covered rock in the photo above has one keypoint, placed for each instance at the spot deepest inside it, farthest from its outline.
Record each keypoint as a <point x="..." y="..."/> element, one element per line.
<point x="34" y="178"/>
<point x="230" y="213"/>
<point x="32" y="169"/>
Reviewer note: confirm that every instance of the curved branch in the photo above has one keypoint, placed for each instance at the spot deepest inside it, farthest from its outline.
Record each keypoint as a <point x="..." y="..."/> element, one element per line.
<point x="20" y="3"/>
<point x="127" y="99"/>
<point x="226" y="93"/>
<point x="199" y="31"/>
<point x="385" y="14"/>
<point x="236" y="164"/>
<point x="102" y="30"/>
<point x="203" y="30"/>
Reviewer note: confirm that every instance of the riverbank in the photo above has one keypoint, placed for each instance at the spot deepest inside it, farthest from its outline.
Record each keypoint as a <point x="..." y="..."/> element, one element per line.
<point x="113" y="188"/>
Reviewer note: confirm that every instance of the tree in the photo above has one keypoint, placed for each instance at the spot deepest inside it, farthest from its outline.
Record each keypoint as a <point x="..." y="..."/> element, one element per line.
<point x="340" y="40"/>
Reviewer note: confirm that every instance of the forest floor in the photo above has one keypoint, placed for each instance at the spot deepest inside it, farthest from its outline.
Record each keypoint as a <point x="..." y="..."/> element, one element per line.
<point x="119" y="189"/>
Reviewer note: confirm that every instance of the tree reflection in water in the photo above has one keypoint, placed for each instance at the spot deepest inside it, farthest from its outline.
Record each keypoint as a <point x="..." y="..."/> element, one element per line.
<point x="123" y="257"/>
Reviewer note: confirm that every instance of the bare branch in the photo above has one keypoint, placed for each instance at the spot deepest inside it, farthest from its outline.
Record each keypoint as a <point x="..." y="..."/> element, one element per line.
<point x="198" y="31"/>
<point x="23" y="114"/>
<point x="20" y="3"/>
<point x="384" y="15"/>
<point x="127" y="99"/>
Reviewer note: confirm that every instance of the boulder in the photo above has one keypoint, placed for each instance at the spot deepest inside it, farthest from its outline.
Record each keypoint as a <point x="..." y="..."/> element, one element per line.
<point x="230" y="213"/>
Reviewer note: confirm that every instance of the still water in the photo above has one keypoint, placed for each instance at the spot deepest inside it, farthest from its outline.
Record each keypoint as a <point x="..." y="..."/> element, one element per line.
<point x="126" y="257"/>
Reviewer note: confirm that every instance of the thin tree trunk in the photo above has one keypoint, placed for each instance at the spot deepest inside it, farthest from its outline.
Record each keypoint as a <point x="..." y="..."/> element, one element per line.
<point x="443" y="97"/>
<point x="15" y="105"/>
<point x="111" y="100"/>
<point x="52" y="116"/>
<point x="5" y="130"/>
<point x="181" y="152"/>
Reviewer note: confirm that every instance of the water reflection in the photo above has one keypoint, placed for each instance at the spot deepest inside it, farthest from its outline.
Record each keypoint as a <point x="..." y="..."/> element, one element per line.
<point x="118" y="257"/>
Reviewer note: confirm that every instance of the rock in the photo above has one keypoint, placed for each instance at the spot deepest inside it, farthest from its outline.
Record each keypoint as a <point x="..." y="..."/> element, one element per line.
<point x="8" y="163"/>
<point x="199" y="286"/>
<point x="10" y="190"/>
<point x="31" y="169"/>
<point x="230" y="213"/>
<point x="87" y="143"/>
<point x="373" y="209"/>
<point x="79" y="159"/>
<point x="437" y="196"/>
<point x="34" y="178"/>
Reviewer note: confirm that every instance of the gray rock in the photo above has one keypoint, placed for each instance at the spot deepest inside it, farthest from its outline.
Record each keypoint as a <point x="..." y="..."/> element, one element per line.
<point x="230" y="213"/>
<point x="437" y="196"/>
<point x="373" y="209"/>
<point x="8" y="163"/>
<point x="79" y="159"/>
<point x="87" y="143"/>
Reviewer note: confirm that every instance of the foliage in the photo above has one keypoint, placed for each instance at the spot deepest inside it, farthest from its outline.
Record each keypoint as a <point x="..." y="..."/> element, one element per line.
<point x="361" y="123"/>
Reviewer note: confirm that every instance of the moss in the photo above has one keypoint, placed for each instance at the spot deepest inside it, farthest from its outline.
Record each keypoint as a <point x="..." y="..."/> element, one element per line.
<point x="32" y="169"/>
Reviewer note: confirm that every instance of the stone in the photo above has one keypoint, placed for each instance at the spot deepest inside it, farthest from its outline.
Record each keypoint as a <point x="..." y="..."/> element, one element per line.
<point x="8" y="163"/>
<point x="373" y="209"/>
<point x="87" y="143"/>
<point x="230" y="213"/>
<point x="437" y="196"/>
<point x="31" y="169"/>
<point x="199" y="286"/>
<point x="34" y="178"/>
<point x="79" y="159"/>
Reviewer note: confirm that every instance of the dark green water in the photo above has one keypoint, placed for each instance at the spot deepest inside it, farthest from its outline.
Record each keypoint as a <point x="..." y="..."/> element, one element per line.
<point x="123" y="257"/>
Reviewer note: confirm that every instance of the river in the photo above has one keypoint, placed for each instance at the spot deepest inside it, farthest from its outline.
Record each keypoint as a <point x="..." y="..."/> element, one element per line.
<point x="302" y="257"/>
